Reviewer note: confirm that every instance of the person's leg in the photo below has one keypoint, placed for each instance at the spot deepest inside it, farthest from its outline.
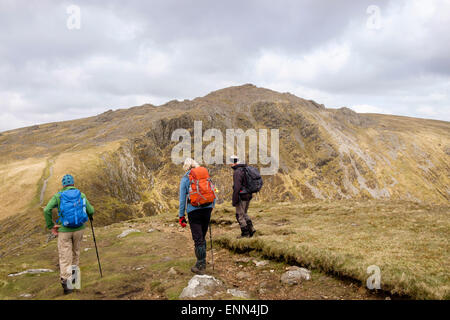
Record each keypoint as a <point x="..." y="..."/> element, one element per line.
<point x="249" y="222"/>
<point x="206" y="217"/>
<point x="76" y="248"/>
<point x="199" y="241"/>
<point x="240" y="217"/>
<point x="65" y="258"/>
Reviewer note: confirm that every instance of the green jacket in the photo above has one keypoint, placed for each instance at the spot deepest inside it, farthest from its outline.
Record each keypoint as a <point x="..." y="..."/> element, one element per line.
<point x="54" y="203"/>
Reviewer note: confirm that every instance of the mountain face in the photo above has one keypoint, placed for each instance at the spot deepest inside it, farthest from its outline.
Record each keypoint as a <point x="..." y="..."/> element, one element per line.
<point x="122" y="159"/>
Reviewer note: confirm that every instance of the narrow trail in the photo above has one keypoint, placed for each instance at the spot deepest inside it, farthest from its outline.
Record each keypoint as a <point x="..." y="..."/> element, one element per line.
<point x="241" y="271"/>
<point x="140" y="266"/>
<point x="44" y="186"/>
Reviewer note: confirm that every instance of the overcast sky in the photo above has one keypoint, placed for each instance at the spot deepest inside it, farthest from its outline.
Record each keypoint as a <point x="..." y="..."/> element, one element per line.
<point x="372" y="56"/>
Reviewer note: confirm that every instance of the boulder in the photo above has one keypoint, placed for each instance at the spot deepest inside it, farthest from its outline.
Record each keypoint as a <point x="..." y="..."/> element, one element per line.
<point x="201" y="285"/>
<point x="295" y="275"/>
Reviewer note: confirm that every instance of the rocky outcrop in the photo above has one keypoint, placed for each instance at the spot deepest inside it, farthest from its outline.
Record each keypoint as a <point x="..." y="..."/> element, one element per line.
<point x="201" y="285"/>
<point x="295" y="275"/>
<point x="125" y="176"/>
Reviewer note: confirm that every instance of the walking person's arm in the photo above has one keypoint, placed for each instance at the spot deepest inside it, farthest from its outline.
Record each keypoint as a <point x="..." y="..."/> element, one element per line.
<point x="237" y="185"/>
<point x="53" y="203"/>
<point x="89" y="208"/>
<point x="183" y="199"/>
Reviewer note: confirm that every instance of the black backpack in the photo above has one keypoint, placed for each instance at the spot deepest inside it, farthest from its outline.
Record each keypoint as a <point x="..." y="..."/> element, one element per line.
<point x="253" y="179"/>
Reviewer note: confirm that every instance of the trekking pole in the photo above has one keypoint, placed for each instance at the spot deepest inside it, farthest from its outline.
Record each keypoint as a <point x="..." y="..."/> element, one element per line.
<point x="210" y="237"/>
<point x="96" y="250"/>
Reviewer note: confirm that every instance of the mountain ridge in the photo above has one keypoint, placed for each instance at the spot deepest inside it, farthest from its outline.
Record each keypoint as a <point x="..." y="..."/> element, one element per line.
<point x="121" y="159"/>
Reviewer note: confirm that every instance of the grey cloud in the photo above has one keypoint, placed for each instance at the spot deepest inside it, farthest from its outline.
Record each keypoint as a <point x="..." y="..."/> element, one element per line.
<point x="163" y="50"/>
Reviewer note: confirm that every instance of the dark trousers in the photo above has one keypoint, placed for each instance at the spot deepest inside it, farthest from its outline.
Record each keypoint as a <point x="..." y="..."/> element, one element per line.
<point x="241" y="214"/>
<point x="199" y="222"/>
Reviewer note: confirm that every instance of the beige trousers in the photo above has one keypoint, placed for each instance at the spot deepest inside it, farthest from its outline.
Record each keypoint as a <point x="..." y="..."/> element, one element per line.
<point x="69" y="246"/>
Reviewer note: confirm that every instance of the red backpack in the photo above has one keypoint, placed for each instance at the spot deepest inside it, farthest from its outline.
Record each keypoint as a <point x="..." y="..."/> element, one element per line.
<point x="201" y="188"/>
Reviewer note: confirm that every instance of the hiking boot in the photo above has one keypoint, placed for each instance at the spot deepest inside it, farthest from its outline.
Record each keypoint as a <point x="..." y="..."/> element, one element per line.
<point x="251" y="230"/>
<point x="198" y="269"/>
<point x="200" y="266"/>
<point x="65" y="287"/>
<point x="244" y="233"/>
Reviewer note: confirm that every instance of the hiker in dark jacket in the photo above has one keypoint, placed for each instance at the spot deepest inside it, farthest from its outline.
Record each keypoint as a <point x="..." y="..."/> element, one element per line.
<point x="198" y="218"/>
<point x="69" y="238"/>
<point x="241" y="200"/>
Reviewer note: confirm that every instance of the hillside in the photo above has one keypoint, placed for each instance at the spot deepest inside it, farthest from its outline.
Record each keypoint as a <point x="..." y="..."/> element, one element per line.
<point x="407" y="241"/>
<point x="121" y="159"/>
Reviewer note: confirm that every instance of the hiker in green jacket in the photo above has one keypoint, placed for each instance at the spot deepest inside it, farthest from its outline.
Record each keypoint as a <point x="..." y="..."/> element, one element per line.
<point x="73" y="211"/>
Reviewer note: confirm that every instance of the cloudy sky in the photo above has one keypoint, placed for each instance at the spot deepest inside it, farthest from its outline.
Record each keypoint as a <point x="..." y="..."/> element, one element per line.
<point x="372" y="56"/>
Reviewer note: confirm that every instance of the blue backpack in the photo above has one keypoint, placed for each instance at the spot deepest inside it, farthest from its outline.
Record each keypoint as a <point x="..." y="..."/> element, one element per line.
<point x="72" y="209"/>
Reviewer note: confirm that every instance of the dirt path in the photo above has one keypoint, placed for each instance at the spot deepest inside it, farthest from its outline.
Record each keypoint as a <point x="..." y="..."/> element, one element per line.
<point x="156" y="265"/>
<point x="241" y="272"/>
<point x="44" y="186"/>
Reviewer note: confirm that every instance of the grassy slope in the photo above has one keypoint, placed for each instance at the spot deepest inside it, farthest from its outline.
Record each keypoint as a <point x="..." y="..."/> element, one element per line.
<point x="136" y="267"/>
<point x="22" y="178"/>
<point x="408" y="241"/>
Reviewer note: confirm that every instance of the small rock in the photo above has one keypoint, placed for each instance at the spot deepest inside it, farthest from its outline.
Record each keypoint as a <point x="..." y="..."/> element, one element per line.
<point x="25" y="295"/>
<point x="171" y="225"/>
<point x="260" y="263"/>
<point x="238" y="293"/>
<point x="150" y="230"/>
<point x="243" y="275"/>
<point x="87" y="249"/>
<point x="387" y="298"/>
<point x="243" y="259"/>
<point x="294" y="275"/>
<point x="139" y="268"/>
<point x="30" y="271"/>
<point x="127" y="232"/>
<point x="201" y="285"/>
<point x="172" y="271"/>
<point x="272" y="271"/>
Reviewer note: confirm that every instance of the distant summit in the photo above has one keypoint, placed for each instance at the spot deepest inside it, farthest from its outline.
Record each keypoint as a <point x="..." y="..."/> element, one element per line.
<point x="123" y="157"/>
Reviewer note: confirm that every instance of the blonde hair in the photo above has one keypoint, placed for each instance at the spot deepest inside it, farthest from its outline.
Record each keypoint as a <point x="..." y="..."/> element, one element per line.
<point x="190" y="163"/>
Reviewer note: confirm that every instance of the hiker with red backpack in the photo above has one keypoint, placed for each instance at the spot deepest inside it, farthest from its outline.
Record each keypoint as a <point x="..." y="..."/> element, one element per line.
<point x="197" y="198"/>
<point x="74" y="210"/>
<point x="246" y="181"/>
